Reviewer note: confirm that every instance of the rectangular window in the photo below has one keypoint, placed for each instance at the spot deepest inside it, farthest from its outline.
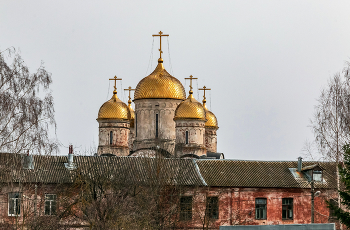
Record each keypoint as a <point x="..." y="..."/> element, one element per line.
<point x="287" y="208"/>
<point x="157" y="125"/>
<point x="50" y="204"/>
<point x="135" y="124"/>
<point x="334" y="203"/>
<point x="186" y="208"/>
<point x="317" y="175"/>
<point x="260" y="208"/>
<point x="110" y="137"/>
<point x="14" y="203"/>
<point x="212" y="209"/>
<point x="186" y="137"/>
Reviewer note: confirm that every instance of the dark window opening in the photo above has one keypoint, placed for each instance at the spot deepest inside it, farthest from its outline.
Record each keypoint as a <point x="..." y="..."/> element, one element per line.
<point x="287" y="208"/>
<point x="260" y="208"/>
<point x="212" y="209"/>
<point x="186" y="208"/>
<point x="334" y="203"/>
<point x="157" y="125"/>
<point x="110" y="137"/>
<point x="50" y="204"/>
<point x="186" y="137"/>
<point x="135" y="124"/>
<point x="14" y="204"/>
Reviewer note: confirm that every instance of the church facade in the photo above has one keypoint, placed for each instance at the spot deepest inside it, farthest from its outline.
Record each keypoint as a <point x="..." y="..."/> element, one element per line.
<point x="164" y="120"/>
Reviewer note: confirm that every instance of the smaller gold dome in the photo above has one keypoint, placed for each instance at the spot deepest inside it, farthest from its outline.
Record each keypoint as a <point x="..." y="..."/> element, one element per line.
<point x="190" y="109"/>
<point x="132" y="115"/>
<point x="211" y="122"/>
<point x="114" y="109"/>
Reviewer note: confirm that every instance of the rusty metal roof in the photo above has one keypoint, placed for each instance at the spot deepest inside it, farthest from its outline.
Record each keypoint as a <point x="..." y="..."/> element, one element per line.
<point x="140" y="170"/>
<point x="273" y="174"/>
<point x="144" y="170"/>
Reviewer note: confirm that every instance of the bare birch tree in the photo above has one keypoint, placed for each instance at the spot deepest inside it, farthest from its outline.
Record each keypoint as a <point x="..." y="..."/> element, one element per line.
<point x="26" y="106"/>
<point x="331" y="120"/>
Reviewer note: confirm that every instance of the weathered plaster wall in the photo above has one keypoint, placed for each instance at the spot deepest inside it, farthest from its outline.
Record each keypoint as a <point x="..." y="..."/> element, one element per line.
<point x="145" y="121"/>
<point x="131" y="138"/>
<point x="196" y="132"/>
<point x="120" y="142"/>
<point x="237" y="206"/>
<point x="211" y="140"/>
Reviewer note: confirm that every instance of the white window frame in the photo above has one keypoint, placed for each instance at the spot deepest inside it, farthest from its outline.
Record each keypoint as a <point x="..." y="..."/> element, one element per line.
<point x="16" y="200"/>
<point x="55" y="200"/>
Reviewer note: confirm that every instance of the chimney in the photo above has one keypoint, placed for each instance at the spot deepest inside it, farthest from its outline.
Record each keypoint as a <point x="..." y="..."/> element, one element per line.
<point x="300" y="163"/>
<point x="28" y="162"/>
<point x="70" y="165"/>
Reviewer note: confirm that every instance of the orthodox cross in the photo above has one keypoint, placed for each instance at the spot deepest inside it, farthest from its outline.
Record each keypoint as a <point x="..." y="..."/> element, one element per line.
<point x="115" y="79"/>
<point x="191" y="78"/>
<point x="129" y="89"/>
<point x="204" y="89"/>
<point x="160" y="35"/>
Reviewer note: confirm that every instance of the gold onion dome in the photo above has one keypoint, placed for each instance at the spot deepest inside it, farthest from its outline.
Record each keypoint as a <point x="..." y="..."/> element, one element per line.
<point x="114" y="109"/>
<point x="211" y="122"/>
<point x="160" y="84"/>
<point x="132" y="114"/>
<point x="190" y="109"/>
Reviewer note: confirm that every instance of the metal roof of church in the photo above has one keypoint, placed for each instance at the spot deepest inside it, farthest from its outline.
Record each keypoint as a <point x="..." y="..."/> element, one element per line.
<point x="143" y="170"/>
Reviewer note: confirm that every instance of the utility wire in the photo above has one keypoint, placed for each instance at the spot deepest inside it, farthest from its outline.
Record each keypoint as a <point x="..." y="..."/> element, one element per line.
<point x="197" y="90"/>
<point x="150" y="58"/>
<point x="171" y="66"/>
<point x="121" y="86"/>
<point x="109" y="85"/>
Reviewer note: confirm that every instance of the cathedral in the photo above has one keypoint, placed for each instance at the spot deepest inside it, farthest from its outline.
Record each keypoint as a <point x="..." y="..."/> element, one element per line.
<point x="164" y="123"/>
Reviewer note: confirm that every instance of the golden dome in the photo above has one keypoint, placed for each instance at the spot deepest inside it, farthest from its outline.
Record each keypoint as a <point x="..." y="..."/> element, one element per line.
<point x="160" y="84"/>
<point x="132" y="115"/>
<point x="211" y="122"/>
<point x="190" y="109"/>
<point x="114" y="109"/>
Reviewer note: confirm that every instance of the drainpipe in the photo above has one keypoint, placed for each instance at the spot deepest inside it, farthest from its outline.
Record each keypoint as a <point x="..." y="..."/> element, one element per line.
<point x="312" y="201"/>
<point x="231" y="206"/>
<point x="35" y="197"/>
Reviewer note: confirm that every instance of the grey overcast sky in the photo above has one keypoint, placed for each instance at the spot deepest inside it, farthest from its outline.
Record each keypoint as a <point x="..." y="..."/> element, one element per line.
<point x="265" y="61"/>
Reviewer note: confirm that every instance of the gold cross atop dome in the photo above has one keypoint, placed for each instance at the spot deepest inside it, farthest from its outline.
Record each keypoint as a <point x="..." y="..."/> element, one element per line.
<point x="204" y="89"/>
<point x="115" y="79"/>
<point x="191" y="78"/>
<point x="160" y="35"/>
<point x="129" y="89"/>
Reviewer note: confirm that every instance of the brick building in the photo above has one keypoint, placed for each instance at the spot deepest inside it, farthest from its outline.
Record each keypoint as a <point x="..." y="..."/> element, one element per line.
<point x="203" y="192"/>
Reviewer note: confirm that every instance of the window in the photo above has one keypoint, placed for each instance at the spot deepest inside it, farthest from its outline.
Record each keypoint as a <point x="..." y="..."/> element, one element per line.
<point x="260" y="208"/>
<point x="186" y="208"/>
<point x="157" y="125"/>
<point x="110" y="137"/>
<point x="287" y="208"/>
<point x="135" y="124"/>
<point x="334" y="203"/>
<point x="14" y="204"/>
<point x="186" y="137"/>
<point x="317" y="175"/>
<point x="212" y="209"/>
<point x="50" y="204"/>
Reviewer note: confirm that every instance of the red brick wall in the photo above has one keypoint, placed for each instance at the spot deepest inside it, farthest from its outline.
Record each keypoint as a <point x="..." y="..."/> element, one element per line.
<point x="237" y="206"/>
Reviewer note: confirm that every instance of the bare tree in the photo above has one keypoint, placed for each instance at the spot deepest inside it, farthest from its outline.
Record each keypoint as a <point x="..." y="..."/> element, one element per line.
<point x="331" y="120"/>
<point x="26" y="106"/>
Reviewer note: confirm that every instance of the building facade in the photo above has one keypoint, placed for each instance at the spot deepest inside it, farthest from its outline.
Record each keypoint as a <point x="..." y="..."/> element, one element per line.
<point x="191" y="193"/>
